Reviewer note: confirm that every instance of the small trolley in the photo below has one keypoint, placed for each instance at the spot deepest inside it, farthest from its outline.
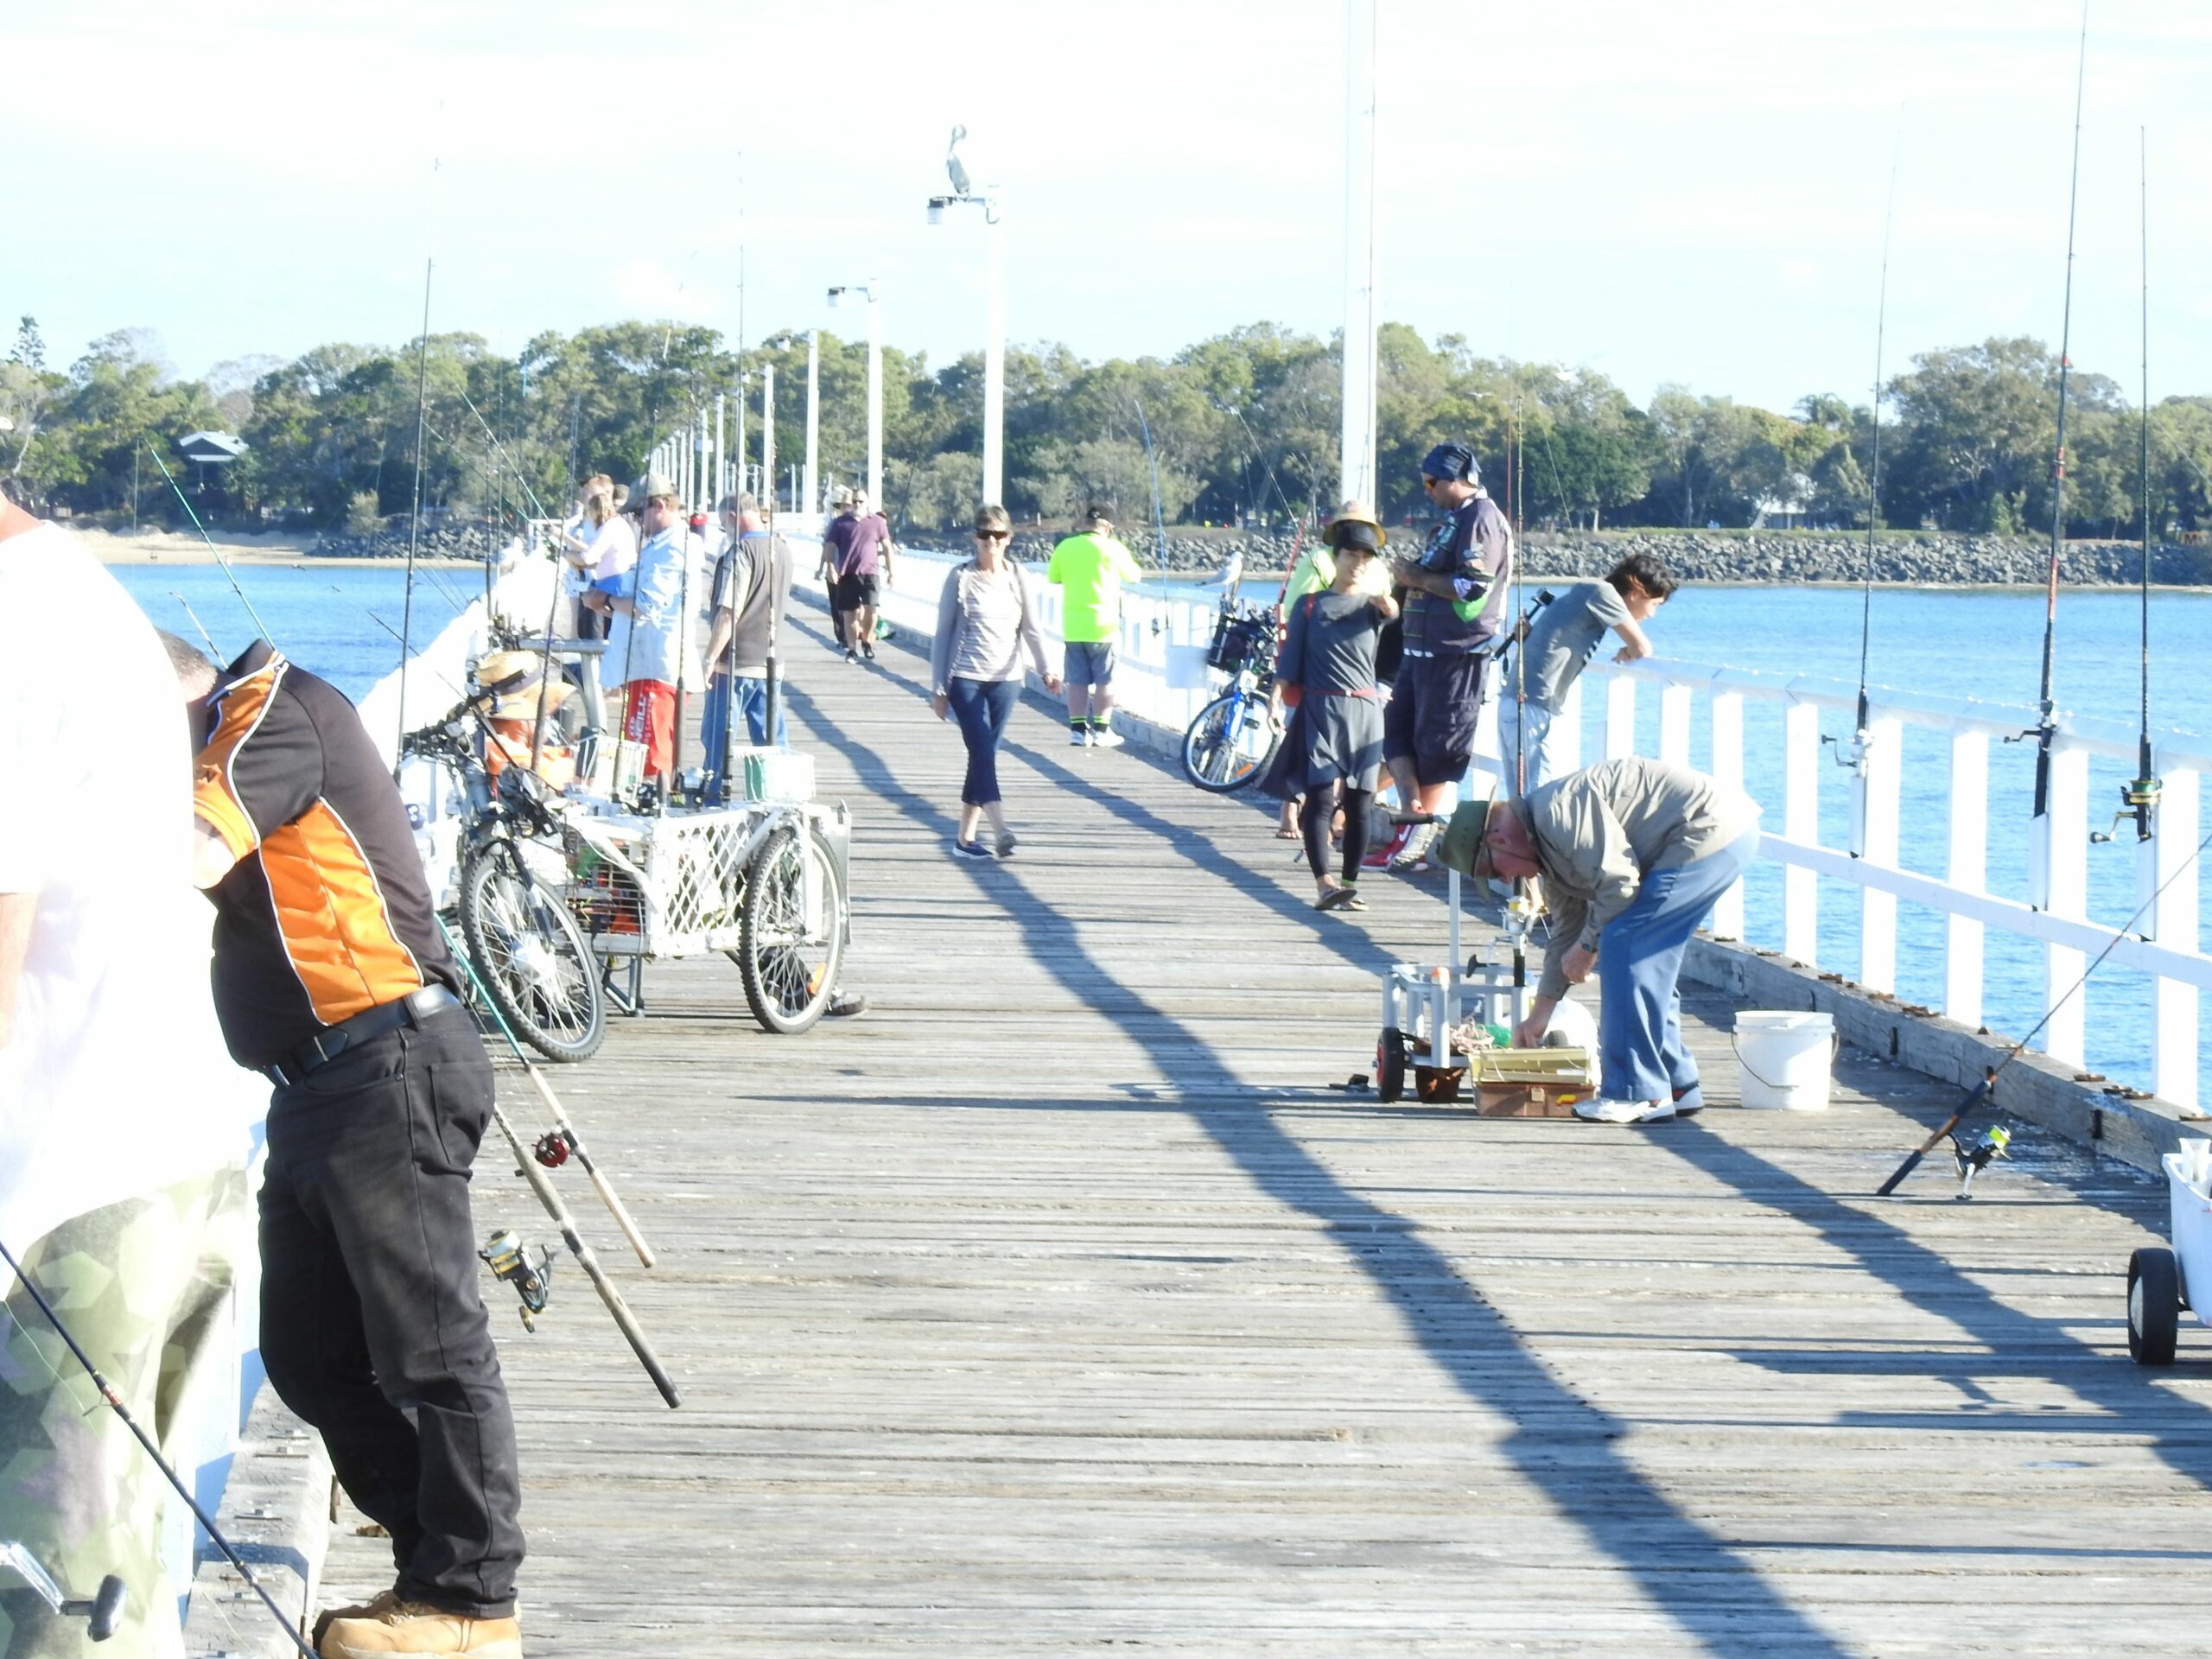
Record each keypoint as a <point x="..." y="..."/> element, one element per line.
<point x="2159" y="1279"/>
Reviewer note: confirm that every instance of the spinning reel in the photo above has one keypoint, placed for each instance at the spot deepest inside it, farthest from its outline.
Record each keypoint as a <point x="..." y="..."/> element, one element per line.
<point x="510" y="1261"/>
<point x="1971" y="1160"/>
<point x="101" y="1613"/>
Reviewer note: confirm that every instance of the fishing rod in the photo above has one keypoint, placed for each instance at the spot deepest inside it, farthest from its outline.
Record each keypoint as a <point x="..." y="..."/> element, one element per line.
<point x="1855" y="754"/>
<point x="2045" y="731"/>
<point x="110" y="1397"/>
<point x="528" y="1164"/>
<point x="260" y="628"/>
<point x="1986" y="1088"/>
<point x="415" y="517"/>
<point x="213" y="650"/>
<point x="1160" y="518"/>
<point x="2139" y="798"/>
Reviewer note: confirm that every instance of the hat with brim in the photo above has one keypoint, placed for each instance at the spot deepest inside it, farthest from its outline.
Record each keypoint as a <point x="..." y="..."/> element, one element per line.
<point x="1351" y="513"/>
<point x="514" y="682"/>
<point x="652" y="485"/>
<point x="1462" y="847"/>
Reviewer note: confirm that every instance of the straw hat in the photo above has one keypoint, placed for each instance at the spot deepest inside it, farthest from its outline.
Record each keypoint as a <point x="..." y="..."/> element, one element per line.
<point x="512" y="681"/>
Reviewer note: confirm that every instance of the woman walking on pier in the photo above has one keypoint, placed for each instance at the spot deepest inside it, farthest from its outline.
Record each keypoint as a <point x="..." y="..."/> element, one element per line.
<point x="1326" y="671"/>
<point x="986" y="618"/>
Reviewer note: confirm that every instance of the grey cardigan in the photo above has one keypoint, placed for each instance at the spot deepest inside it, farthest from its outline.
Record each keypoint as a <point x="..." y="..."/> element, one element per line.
<point x="1599" y="831"/>
<point x="982" y="625"/>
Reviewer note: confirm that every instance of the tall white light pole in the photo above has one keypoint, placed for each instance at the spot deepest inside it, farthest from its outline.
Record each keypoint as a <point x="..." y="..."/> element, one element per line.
<point x="1359" y="366"/>
<point x="810" y="498"/>
<point x="721" y="450"/>
<point x="965" y="194"/>
<point x="873" y="290"/>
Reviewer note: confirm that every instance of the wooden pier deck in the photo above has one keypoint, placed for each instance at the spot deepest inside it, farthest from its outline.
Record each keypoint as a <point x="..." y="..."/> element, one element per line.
<point x="1059" y="1305"/>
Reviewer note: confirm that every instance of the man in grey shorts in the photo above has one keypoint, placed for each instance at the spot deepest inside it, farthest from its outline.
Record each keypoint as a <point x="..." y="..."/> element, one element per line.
<point x="1089" y="568"/>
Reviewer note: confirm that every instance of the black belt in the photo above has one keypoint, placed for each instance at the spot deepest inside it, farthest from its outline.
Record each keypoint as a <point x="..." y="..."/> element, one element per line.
<point x="318" y="1051"/>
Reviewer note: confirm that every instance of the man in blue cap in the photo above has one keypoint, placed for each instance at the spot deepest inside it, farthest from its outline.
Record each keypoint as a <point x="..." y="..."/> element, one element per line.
<point x="1454" y="606"/>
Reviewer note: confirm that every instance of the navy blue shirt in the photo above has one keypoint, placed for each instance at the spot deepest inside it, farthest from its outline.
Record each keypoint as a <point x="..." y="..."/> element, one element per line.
<point x="1473" y="545"/>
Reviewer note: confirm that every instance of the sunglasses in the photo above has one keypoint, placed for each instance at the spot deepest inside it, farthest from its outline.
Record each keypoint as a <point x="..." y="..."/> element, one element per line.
<point x="990" y="534"/>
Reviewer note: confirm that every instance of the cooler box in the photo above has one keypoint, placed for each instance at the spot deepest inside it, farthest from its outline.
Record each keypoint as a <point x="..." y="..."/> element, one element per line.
<point x="773" y="774"/>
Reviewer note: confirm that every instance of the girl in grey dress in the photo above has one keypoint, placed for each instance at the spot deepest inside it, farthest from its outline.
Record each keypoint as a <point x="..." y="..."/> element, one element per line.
<point x="1335" y="738"/>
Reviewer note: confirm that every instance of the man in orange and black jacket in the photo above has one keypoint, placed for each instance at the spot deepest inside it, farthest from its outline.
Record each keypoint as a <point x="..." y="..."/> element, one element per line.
<point x="331" y="975"/>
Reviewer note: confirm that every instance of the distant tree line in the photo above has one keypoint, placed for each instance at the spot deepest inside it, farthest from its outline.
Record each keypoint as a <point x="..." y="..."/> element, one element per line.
<point x="1242" y="427"/>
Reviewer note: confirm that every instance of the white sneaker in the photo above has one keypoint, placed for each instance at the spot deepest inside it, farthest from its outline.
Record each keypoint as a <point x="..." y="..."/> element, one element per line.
<point x="1079" y="739"/>
<point x="1624" y="1111"/>
<point x="1105" y="737"/>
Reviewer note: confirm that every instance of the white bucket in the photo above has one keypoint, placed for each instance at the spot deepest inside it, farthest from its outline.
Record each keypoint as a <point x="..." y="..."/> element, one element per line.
<point x="1782" y="1060"/>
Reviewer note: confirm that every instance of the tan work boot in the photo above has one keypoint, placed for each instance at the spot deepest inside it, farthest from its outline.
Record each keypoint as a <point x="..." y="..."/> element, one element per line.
<point x="410" y="1630"/>
<point x="378" y="1604"/>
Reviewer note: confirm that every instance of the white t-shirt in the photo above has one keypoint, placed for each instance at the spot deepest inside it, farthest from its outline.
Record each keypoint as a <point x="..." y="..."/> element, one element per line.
<point x="115" y="1082"/>
<point x="614" y="549"/>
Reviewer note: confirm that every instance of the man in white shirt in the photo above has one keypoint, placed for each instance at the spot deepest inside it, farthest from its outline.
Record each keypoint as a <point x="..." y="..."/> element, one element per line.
<point x="124" y="1126"/>
<point x="652" y="646"/>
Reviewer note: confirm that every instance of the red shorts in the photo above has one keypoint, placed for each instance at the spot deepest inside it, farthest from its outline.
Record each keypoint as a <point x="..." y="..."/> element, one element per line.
<point x="649" y="717"/>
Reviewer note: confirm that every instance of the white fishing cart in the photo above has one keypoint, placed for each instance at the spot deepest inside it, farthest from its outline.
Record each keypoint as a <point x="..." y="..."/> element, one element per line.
<point x="2159" y="1279"/>
<point x="762" y="882"/>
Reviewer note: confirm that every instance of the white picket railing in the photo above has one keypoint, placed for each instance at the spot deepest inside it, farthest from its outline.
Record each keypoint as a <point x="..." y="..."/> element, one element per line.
<point x="1161" y="678"/>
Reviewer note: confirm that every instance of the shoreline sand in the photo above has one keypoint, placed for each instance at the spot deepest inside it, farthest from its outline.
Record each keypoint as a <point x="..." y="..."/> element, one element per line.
<point x="168" y="547"/>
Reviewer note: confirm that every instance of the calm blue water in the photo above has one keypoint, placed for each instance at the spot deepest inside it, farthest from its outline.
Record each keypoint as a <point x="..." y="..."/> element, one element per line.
<point x="1980" y="645"/>
<point x="325" y="617"/>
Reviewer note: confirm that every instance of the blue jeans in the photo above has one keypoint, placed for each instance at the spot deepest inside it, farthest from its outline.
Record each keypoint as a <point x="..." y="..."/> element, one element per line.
<point x="983" y="708"/>
<point x="1642" y="1055"/>
<point x="1527" y="726"/>
<point x="714" y="722"/>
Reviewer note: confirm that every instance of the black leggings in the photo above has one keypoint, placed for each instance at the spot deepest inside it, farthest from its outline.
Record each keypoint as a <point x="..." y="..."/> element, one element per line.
<point x="1313" y="819"/>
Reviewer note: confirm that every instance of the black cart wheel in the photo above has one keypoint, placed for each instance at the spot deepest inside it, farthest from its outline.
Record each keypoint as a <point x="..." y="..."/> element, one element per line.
<point x="1230" y="742"/>
<point x="792" y="936"/>
<point x="1390" y="1064"/>
<point x="2153" y="1306"/>
<point x="532" y="956"/>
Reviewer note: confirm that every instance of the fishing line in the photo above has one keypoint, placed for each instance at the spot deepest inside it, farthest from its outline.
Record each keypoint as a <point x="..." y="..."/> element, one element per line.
<point x="422" y="421"/>
<point x="2141" y="797"/>
<point x="2047" y="727"/>
<point x="260" y="628"/>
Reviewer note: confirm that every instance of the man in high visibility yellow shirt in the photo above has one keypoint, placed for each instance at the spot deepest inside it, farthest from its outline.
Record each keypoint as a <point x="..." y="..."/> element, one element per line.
<point x="1089" y="568"/>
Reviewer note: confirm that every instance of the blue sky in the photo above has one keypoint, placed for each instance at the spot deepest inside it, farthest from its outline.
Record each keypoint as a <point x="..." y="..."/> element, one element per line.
<point x="1691" y="190"/>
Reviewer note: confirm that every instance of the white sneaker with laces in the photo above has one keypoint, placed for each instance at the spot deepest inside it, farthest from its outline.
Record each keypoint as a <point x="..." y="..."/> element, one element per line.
<point x="1079" y="739"/>
<point x="1105" y="737"/>
<point x="1624" y="1111"/>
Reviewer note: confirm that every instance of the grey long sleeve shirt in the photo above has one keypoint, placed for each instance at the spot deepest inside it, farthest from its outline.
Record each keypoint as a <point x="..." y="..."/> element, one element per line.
<point x="984" y="623"/>
<point x="1599" y="832"/>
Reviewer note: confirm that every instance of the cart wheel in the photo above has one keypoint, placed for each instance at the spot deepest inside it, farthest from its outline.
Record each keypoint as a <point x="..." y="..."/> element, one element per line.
<point x="530" y="956"/>
<point x="2153" y="1306"/>
<point x="789" y="959"/>
<point x="1390" y="1064"/>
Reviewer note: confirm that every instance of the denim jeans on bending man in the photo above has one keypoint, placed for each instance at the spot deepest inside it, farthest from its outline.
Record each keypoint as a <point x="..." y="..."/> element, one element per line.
<point x="714" y="723"/>
<point x="1642" y="1054"/>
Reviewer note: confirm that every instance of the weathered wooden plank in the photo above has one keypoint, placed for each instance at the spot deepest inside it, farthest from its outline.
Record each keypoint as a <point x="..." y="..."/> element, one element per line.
<point x="1061" y="1303"/>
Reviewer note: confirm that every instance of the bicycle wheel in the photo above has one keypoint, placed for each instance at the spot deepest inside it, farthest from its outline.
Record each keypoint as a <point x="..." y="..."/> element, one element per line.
<point x="532" y="957"/>
<point x="790" y="936"/>
<point x="1228" y="745"/>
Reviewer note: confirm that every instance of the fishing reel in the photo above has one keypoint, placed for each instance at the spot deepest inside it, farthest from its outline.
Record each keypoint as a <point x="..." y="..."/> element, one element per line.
<point x="2138" y="800"/>
<point x="510" y="1261"/>
<point x="1972" y="1160"/>
<point x="1850" y="751"/>
<point x="550" y="1149"/>
<point x="101" y="1613"/>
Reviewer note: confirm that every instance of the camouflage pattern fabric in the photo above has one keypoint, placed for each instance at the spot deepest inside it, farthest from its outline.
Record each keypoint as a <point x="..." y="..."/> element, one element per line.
<point x="145" y="1285"/>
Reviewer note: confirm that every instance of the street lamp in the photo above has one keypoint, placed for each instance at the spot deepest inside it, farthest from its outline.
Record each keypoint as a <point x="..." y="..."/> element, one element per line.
<point x="965" y="194"/>
<point x="870" y="290"/>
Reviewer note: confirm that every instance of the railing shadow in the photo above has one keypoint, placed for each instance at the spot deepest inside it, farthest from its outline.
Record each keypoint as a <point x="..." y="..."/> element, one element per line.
<point x="1709" y="1588"/>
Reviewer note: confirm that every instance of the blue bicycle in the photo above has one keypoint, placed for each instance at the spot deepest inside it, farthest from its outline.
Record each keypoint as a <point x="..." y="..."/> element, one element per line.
<point x="1230" y="741"/>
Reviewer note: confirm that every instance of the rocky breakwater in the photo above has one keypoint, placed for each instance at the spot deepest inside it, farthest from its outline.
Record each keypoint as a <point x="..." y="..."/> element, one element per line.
<point x="1925" y="558"/>
<point x="446" y="540"/>
<point x="1929" y="557"/>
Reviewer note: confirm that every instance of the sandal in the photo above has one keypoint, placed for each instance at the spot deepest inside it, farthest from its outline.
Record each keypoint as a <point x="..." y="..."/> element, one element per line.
<point x="1340" y="897"/>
